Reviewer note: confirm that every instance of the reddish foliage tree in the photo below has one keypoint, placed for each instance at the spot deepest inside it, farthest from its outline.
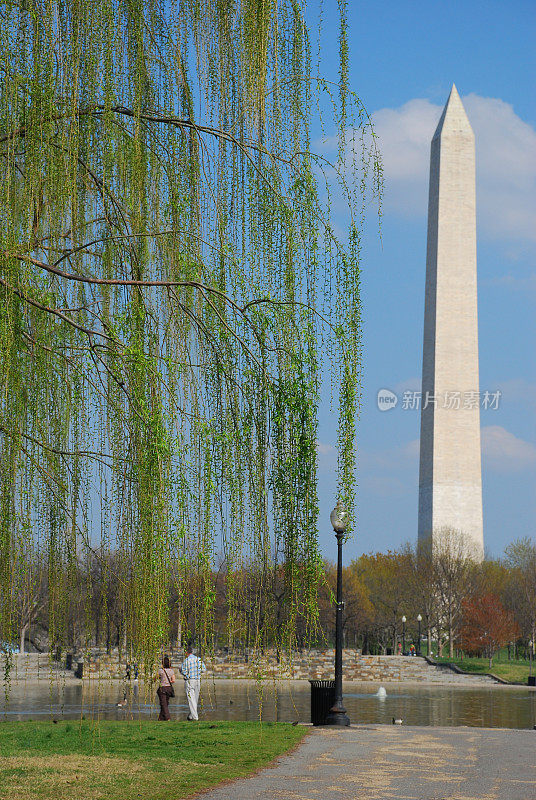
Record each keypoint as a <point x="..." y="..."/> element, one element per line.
<point x="486" y="625"/>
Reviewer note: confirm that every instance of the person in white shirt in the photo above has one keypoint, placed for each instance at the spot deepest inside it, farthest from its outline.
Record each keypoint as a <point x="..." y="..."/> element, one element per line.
<point x="191" y="670"/>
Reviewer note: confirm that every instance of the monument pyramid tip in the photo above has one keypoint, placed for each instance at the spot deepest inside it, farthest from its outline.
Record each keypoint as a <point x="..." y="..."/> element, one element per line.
<point x="453" y="117"/>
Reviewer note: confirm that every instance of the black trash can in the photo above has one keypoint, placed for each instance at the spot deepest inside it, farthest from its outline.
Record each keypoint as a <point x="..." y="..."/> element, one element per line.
<point x="322" y="700"/>
<point x="69" y="661"/>
<point x="79" y="671"/>
<point x="531" y="680"/>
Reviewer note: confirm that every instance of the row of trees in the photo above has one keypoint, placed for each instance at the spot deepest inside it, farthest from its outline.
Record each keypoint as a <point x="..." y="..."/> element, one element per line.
<point x="462" y="604"/>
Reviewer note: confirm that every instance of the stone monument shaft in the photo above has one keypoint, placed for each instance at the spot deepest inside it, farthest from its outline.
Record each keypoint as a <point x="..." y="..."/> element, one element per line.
<point x="450" y="477"/>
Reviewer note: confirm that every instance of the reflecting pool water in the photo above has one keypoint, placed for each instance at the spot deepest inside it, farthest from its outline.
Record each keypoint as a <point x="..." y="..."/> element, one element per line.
<point x="487" y="706"/>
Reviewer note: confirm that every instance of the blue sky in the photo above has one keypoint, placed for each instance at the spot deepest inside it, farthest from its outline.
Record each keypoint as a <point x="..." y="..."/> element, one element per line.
<point x="404" y="57"/>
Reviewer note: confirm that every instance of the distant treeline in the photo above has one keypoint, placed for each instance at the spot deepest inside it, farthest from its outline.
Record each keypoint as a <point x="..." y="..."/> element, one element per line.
<point x="477" y="607"/>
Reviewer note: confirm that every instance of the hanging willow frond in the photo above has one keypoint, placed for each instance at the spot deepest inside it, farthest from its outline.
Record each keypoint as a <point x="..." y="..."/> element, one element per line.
<point x="167" y="267"/>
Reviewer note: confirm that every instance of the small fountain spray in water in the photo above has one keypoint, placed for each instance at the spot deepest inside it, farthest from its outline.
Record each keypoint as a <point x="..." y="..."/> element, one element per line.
<point x="381" y="692"/>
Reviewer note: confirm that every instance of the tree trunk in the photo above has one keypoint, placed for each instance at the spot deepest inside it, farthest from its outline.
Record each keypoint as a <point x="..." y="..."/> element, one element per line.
<point x="429" y="640"/>
<point x="179" y="632"/>
<point x="440" y="644"/>
<point x="23" y="637"/>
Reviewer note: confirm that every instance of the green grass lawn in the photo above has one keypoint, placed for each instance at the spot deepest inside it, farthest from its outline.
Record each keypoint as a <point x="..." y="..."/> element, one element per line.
<point x="513" y="671"/>
<point x="139" y="759"/>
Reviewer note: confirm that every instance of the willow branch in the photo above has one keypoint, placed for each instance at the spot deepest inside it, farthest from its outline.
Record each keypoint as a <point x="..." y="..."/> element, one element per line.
<point x="56" y="313"/>
<point x="56" y="451"/>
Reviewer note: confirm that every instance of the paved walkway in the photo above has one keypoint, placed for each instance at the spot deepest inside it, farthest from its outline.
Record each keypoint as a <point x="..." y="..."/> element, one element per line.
<point x="398" y="763"/>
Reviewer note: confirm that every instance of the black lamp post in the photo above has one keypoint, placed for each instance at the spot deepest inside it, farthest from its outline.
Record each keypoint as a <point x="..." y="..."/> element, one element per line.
<point x="337" y="714"/>
<point x="419" y="620"/>
<point x="403" y="635"/>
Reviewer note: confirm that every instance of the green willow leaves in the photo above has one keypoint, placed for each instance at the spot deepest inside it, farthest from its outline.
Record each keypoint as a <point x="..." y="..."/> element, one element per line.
<point x="168" y="275"/>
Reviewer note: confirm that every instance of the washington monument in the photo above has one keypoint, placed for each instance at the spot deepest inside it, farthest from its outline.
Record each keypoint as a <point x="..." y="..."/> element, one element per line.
<point x="450" y="476"/>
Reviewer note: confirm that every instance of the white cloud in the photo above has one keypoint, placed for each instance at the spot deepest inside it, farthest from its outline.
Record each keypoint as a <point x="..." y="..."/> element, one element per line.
<point x="324" y="449"/>
<point x="505" y="157"/>
<point x="518" y="283"/>
<point x="327" y="458"/>
<point x="411" y="449"/>
<point x="397" y="467"/>
<point x="404" y="136"/>
<point x="504" y="452"/>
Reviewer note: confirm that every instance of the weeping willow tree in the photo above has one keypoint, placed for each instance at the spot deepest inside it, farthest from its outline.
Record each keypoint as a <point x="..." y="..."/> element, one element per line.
<point x="171" y="287"/>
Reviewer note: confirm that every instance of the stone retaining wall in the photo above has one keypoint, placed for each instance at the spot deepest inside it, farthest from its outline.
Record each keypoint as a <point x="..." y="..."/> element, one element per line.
<point x="313" y="664"/>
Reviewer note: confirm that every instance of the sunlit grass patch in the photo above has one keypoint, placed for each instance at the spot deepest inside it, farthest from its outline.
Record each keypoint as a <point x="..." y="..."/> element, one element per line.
<point x="512" y="671"/>
<point x="138" y="759"/>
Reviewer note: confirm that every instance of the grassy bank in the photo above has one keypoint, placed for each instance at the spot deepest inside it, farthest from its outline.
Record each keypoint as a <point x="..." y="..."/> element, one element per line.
<point x="140" y="759"/>
<point x="512" y="671"/>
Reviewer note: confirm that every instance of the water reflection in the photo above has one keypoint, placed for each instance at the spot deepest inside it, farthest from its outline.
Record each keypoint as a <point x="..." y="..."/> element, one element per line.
<point x="487" y="706"/>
